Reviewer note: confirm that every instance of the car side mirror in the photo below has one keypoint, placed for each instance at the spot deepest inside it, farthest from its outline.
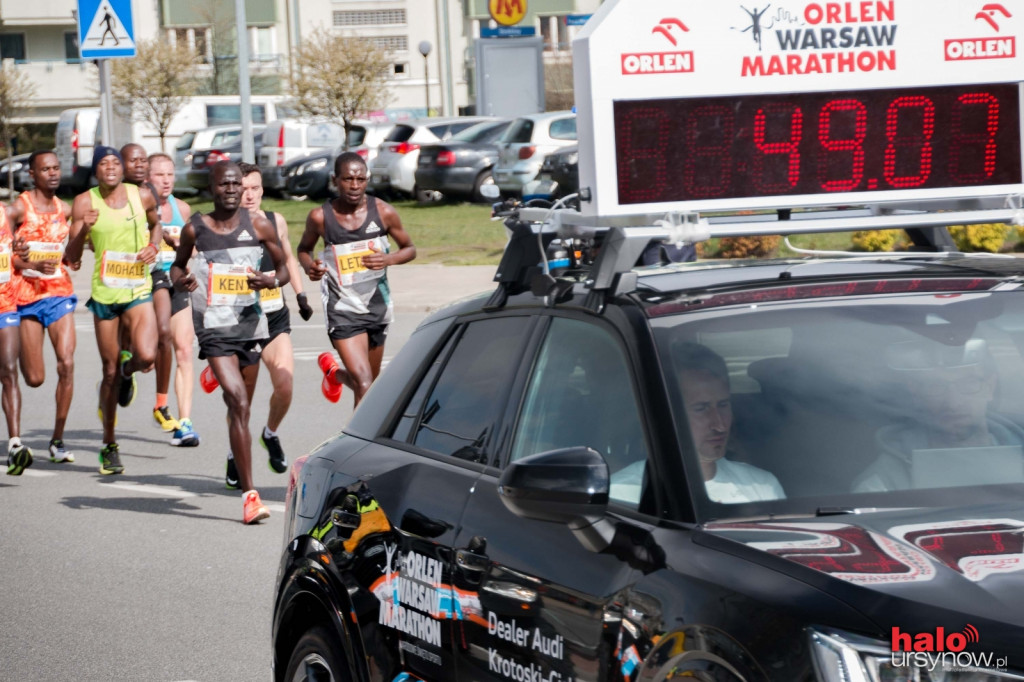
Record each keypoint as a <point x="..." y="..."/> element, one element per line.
<point x="567" y="486"/>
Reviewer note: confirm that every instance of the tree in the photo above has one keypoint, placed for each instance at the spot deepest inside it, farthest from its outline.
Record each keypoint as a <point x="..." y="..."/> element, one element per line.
<point x="340" y="78"/>
<point x="16" y="93"/>
<point x="155" y="83"/>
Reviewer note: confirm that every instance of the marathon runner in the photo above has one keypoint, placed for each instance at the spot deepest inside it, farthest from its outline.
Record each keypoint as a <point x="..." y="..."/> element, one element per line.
<point x="136" y="171"/>
<point x="19" y="456"/>
<point x="229" y="322"/>
<point x="356" y="296"/>
<point x="44" y="293"/>
<point x="172" y="303"/>
<point x="120" y="221"/>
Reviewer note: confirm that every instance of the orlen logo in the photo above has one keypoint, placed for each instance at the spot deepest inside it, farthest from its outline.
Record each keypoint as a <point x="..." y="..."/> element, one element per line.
<point x="636" y="63"/>
<point x="932" y="642"/>
<point x="999" y="47"/>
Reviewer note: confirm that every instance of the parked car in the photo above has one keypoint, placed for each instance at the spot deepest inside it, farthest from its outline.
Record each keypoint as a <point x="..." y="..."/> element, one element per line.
<point x="213" y="137"/>
<point x="204" y="159"/>
<point x="19" y="166"/>
<point x="394" y="168"/>
<point x="462" y="165"/>
<point x="674" y="473"/>
<point x="371" y="137"/>
<point x="289" y="139"/>
<point x="75" y="138"/>
<point x="525" y="144"/>
<point x="310" y="176"/>
<point x="562" y="168"/>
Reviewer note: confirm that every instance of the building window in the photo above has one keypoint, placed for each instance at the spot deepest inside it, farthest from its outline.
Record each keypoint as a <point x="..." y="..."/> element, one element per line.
<point x="71" y="53"/>
<point x="12" y="46"/>
<point x="400" y="69"/>
<point x="555" y="32"/>
<point x="375" y="17"/>
<point x="261" y="43"/>
<point x="389" y="43"/>
<point x="195" y="38"/>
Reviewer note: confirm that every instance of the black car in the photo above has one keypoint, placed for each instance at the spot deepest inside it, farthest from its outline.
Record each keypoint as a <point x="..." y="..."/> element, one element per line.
<point x="310" y="176"/>
<point x="462" y="164"/>
<point x="562" y="168"/>
<point x="204" y="159"/>
<point x="793" y="470"/>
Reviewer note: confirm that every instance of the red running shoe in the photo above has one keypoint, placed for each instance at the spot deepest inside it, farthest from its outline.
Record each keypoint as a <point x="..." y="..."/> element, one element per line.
<point x="207" y="380"/>
<point x="253" y="510"/>
<point x="330" y="386"/>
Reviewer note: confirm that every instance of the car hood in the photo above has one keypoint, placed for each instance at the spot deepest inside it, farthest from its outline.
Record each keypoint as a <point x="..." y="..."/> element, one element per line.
<point x="915" y="569"/>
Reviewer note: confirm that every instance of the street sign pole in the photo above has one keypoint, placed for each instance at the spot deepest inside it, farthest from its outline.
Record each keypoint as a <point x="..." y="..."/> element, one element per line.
<point x="106" y="103"/>
<point x="244" y="94"/>
<point x="105" y="31"/>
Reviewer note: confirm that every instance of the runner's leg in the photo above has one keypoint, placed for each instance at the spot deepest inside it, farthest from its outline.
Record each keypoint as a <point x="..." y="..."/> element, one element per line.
<point x="357" y="371"/>
<point x="109" y="344"/>
<point x="10" y="344"/>
<point x="165" y="344"/>
<point x="234" y="384"/>
<point x="33" y="365"/>
<point x="183" y="334"/>
<point x="142" y="332"/>
<point x="280" y="362"/>
<point x="64" y="340"/>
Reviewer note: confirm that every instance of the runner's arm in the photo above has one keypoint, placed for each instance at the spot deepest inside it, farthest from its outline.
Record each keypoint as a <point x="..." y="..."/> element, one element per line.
<point x="180" y="276"/>
<point x="156" y="234"/>
<point x="267" y="234"/>
<point x="83" y="217"/>
<point x="286" y="247"/>
<point x="406" y="249"/>
<point x="313" y="267"/>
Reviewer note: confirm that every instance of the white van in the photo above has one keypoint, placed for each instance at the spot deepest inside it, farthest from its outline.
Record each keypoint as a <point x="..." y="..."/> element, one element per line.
<point x="77" y="130"/>
<point x="288" y="139"/>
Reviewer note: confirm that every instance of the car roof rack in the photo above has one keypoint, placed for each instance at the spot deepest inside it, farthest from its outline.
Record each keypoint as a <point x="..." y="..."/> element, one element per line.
<point x="622" y="239"/>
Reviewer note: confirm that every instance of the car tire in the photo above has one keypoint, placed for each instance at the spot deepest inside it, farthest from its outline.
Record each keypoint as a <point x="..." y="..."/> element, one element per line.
<point x="316" y="657"/>
<point x="485" y="178"/>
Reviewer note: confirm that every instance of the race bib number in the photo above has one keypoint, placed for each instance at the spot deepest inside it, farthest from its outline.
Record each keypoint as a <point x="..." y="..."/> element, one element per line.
<point x="167" y="252"/>
<point x="229" y="286"/>
<point x="43" y="252"/>
<point x="5" y="265"/>
<point x="271" y="300"/>
<point x="122" y="270"/>
<point x="349" y="258"/>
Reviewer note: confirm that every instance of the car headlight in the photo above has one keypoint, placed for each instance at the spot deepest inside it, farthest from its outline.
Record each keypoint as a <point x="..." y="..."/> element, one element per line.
<point x="845" y="657"/>
<point x="315" y="165"/>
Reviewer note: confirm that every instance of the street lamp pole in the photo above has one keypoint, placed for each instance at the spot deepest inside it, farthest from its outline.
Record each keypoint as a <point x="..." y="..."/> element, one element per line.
<point x="425" y="50"/>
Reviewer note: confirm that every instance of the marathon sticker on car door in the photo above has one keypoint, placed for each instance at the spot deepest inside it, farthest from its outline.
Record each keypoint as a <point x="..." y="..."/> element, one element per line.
<point x="229" y="286"/>
<point x="349" y="260"/>
<point x="5" y="265"/>
<point x="271" y="300"/>
<point x="122" y="270"/>
<point x="44" y="252"/>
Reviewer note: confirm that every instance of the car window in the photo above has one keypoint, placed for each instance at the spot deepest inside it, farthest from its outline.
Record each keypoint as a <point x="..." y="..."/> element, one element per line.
<point x="185" y="141"/>
<point x="519" y="132"/>
<point x="321" y="135"/>
<point x="581" y="394"/>
<point x="459" y="127"/>
<point x="400" y="133"/>
<point x="224" y="138"/>
<point x="440" y="131"/>
<point x="356" y="135"/>
<point x="464" y="403"/>
<point x="563" y="129"/>
<point x="481" y="132"/>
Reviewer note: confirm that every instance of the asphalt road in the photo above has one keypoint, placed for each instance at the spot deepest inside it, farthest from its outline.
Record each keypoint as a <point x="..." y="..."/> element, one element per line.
<point x="151" y="575"/>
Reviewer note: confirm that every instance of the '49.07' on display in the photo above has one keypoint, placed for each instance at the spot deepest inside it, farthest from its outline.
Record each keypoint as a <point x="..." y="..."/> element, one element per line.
<point x="817" y="143"/>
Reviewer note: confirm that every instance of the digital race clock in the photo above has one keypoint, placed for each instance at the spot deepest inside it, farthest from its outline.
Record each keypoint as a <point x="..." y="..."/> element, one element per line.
<point x="704" y="105"/>
<point x="687" y="149"/>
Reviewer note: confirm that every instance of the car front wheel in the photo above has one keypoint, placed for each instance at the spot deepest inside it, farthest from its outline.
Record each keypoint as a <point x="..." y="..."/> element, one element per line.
<point x="484" y="178"/>
<point x="316" y="659"/>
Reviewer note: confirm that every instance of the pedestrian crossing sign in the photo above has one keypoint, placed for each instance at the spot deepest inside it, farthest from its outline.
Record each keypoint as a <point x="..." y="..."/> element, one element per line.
<point x="105" y="29"/>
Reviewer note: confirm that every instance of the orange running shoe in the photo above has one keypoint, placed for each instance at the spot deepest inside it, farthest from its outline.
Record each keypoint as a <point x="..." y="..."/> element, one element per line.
<point x="253" y="510"/>
<point x="207" y="380"/>
<point x="330" y="386"/>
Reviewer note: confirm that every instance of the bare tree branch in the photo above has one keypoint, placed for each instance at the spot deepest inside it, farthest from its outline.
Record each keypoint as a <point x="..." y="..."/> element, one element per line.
<point x="155" y="83"/>
<point x="340" y="78"/>
<point x="16" y="93"/>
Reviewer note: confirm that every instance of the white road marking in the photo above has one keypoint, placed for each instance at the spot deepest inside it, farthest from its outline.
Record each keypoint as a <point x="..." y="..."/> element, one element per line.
<point x="163" y="491"/>
<point x="274" y="507"/>
<point x="38" y="474"/>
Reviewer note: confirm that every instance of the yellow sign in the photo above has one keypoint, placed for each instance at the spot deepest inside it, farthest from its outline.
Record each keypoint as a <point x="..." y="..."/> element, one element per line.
<point x="349" y="259"/>
<point x="122" y="270"/>
<point x="507" y="12"/>
<point x="271" y="300"/>
<point x="229" y="286"/>
<point x="5" y="267"/>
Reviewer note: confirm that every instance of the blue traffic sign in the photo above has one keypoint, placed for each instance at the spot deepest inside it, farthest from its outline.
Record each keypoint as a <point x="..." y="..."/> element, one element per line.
<point x="105" y="29"/>
<point x="576" y="19"/>
<point x="507" y="31"/>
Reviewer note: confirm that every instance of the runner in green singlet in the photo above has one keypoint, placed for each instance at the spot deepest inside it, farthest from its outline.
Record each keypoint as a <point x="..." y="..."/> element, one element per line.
<point x="121" y="222"/>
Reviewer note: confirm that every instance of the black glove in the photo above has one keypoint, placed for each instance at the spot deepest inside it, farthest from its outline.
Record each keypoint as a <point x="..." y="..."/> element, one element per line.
<point x="304" y="310"/>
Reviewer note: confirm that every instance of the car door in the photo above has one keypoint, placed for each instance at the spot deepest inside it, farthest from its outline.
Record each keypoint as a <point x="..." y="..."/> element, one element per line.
<point x="548" y="607"/>
<point x="419" y="475"/>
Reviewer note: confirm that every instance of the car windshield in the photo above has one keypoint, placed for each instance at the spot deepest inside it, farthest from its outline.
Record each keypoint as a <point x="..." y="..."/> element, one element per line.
<point x="185" y="141"/>
<point x="824" y="407"/>
<point x="488" y="131"/>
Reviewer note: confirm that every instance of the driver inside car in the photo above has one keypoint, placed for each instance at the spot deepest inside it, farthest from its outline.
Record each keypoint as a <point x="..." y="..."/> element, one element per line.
<point x="950" y="389"/>
<point x="704" y="383"/>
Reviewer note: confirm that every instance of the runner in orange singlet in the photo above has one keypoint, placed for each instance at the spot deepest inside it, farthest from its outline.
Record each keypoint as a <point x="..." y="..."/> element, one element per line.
<point x="19" y="457"/>
<point x="44" y="293"/>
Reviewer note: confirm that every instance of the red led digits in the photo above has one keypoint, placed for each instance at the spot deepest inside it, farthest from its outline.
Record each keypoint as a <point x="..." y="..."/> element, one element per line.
<point x="818" y="143"/>
<point x="848" y="119"/>
<point x="909" y="140"/>
<point x="643" y="135"/>
<point x="709" y="132"/>
<point x="785" y="116"/>
<point x="971" y="129"/>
